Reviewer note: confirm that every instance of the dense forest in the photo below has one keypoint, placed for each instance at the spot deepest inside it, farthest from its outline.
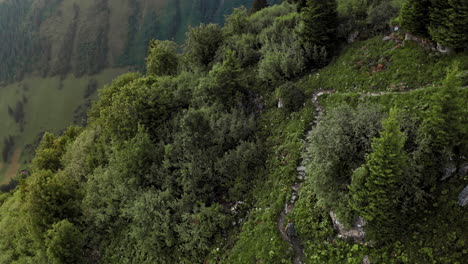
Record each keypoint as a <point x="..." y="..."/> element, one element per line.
<point x="347" y="118"/>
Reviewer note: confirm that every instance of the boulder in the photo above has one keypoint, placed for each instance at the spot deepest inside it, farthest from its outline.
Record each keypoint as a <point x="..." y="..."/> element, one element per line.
<point x="356" y="232"/>
<point x="301" y="169"/>
<point x="449" y="172"/>
<point x="387" y="38"/>
<point x="443" y="49"/>
<point x="280" y="103"/>
<point x="463" y="197"/>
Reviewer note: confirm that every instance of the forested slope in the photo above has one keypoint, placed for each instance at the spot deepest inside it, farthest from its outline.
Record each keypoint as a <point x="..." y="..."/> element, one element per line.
<point x="54" y="55"/>
<point x="195" y="160"/>
<point x="83" y="37"/>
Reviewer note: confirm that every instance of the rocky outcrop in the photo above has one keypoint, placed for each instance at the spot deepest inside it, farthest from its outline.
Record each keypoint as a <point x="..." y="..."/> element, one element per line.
<point x="352" y="38"/>
<point x="449" y="171"/>
<point x="463" y="197"/>
<point x="356" y="232"/>
<point x="443" y="49"/>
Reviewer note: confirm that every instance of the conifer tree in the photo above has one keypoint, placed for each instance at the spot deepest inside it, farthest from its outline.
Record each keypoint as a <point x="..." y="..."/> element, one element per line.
<point x="414" y="17"/>
<point x="459" y="20"/>
<point x="448" y="20"/>
<point x="319" y="22"/>
<point x="375" y="186"/>
<point x="258" y="5"/>
<point x="300" y="4"/>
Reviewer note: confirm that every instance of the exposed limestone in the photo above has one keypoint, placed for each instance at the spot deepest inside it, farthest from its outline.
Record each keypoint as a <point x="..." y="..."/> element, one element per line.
<point x="356" y="232"/>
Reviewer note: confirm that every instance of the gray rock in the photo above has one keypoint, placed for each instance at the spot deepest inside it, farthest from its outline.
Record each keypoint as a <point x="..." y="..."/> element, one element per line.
<point x="356" y="232"/>
<point x="366" y="260"/>
<point x="352" y="38"/>
<point x="463" y="197"/>
<point x="464" y="170"/>
<point x="408" y="36"/>
<point x="294" y="198"/>
<point x="387" y="38"/>
<point x="301" y="168"/>
<point x="280" y="103"/>
<point x="443" y="49"/>
<point x="449" y="172"/>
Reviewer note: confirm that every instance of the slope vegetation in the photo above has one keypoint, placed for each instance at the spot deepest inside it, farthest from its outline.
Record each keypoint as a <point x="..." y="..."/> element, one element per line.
<point x="202" y="159"/>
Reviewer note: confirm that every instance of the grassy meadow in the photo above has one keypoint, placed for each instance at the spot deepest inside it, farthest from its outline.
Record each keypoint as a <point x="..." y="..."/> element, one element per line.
<point x="49" y="104"/>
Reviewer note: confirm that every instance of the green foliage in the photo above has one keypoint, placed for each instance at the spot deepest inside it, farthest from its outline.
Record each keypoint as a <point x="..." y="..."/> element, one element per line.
<point x="201" y="45"/>
<point x="414" y="17"/>
<point x="282" y="62"/>
<point x="318" y="27"/>
<point x="224" y="83"/>
<point x="162" y="58"/>
<point x="259" y="240"/>
<point x="335" y="148"/>
<point x="141" y="101"/>
<point x="245" y="48"/>
<point x="403" y="68"/>
<point x="64" y="243"/>
<point x="283" y="57"/>
<point x="380" y="15"/>
<point x="237" y="23"/>
<point x="50" y="150"/>
<point x="193" y="164"/>
<point x="447" y="22"/>
<point x="265" y="17"/>
<point x="376" y="186"/>
<point x="293" y="98"/>
<point x="49" y="198"/>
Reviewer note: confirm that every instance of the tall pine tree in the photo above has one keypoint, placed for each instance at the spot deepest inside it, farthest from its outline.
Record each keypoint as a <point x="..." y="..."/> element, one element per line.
<point x="375" y="187"/>
<point x="319" y="23"/>
<point x="459" y="22"/>
<point x="448" y="22"/>
<point x="414" y="16"/>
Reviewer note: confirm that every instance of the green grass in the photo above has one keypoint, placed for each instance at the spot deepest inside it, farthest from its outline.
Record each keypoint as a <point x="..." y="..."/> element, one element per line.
<point x="401" y="68"/>
<point x="50" y="106"/>
<point x="414" y="101"/>
<point x="259" y="240"/>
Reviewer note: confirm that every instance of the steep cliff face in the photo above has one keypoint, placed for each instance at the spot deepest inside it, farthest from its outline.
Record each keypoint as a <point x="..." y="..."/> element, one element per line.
<point x="56" y="37"/>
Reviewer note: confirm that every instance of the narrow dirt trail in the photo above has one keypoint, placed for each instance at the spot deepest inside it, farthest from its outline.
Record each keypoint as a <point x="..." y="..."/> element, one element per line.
<point x="295" y="243"/>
